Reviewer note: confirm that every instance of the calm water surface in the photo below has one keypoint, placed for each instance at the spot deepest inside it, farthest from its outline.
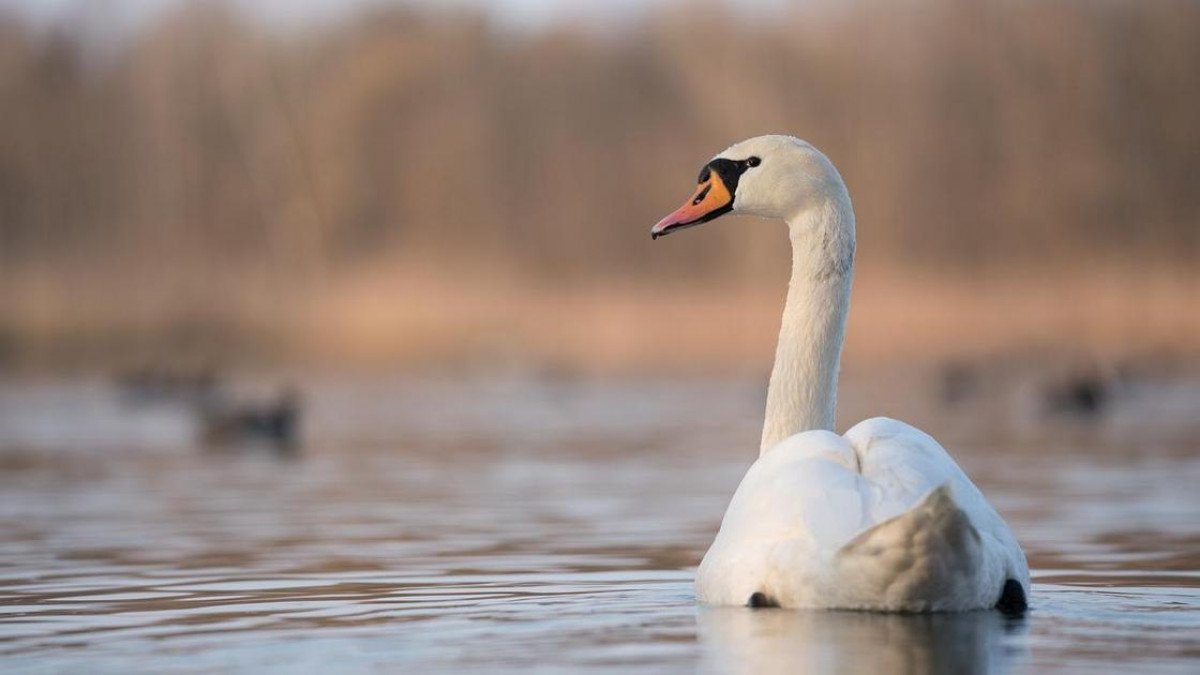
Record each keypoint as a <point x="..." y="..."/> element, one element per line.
<point x="518" y="525"/>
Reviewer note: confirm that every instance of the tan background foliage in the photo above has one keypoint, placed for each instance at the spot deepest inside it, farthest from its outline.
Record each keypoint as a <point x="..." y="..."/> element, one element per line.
<point x="420" y="188"/>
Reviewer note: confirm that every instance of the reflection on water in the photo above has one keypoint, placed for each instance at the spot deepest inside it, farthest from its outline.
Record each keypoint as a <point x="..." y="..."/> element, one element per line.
<point x="517" y="525"/>
<point x="739" y="640"/>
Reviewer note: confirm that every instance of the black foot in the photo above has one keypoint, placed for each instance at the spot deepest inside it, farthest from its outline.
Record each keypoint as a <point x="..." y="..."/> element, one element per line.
<point x="1012" y="598"/>
<point x="759" y="599"/>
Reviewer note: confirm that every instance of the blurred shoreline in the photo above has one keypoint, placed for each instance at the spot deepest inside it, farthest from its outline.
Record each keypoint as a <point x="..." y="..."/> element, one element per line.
<point x="390" y="318"/>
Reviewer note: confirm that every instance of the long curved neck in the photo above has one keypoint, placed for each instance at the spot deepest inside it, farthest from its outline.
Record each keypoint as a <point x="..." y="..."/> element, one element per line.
<point x="802" y="394"/>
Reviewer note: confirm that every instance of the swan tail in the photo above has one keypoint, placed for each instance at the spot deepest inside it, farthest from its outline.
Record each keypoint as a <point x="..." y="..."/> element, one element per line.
<point x="919" y="560"/>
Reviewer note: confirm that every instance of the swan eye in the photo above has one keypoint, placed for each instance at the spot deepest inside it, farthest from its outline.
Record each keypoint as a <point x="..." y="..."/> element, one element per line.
<point x="753" y="161"/>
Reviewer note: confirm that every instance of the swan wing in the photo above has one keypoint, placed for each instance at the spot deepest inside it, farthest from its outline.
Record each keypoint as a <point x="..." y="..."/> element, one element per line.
<point x="904" y="464"/>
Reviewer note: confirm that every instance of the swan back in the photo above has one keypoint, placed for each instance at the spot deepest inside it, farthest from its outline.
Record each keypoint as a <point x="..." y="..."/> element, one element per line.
<point x="881" y="518"/>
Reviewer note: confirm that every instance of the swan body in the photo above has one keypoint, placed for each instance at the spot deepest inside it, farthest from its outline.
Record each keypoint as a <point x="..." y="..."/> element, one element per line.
<point x="880" y="518"/>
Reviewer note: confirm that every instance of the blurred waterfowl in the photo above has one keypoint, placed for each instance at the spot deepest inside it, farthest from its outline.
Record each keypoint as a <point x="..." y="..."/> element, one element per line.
<point x="960" y="382"/>
<point x="226" y="423"/>
<point x="880" y="518"/>
<point x="151" y="384"/>
<point x="1053" y="383"/>
<point x="1082" y="395"/>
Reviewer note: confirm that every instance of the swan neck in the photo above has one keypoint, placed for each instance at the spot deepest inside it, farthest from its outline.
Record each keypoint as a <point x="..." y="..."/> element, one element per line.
<point x="802" y="393"/>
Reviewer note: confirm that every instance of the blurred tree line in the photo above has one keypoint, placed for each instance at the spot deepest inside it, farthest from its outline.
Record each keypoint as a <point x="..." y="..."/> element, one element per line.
<point x="207" y="157"/>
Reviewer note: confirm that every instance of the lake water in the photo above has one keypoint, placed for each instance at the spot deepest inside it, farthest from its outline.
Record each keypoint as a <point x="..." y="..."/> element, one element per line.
<point x="524" y="525"/>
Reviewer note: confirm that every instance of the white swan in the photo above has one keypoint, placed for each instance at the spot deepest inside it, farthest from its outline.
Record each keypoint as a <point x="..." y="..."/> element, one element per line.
<point x="878" y="519"/>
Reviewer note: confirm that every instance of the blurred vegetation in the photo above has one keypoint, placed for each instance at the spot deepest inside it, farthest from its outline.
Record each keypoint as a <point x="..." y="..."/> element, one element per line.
<point x="210" y="184"/>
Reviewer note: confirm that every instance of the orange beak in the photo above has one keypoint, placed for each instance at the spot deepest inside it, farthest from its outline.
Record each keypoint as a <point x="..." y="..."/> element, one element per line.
<point x="711" y="200"/>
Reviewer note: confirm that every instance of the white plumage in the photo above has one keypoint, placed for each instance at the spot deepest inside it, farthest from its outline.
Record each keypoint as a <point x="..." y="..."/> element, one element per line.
<point x="881" y="518"/>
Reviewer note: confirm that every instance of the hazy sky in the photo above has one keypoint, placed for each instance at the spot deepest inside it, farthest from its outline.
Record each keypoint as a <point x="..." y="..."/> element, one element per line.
<point x="516" y="13"/>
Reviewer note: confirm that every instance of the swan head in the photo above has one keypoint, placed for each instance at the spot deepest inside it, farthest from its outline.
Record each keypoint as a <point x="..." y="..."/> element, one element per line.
<point x="771" y="176"/>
